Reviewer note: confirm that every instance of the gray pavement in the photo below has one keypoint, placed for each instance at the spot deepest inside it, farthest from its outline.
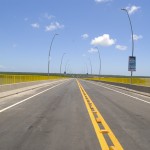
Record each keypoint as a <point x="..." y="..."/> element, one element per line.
<point x="11" y="89"/>
<point x="56" y="118"/>
<point x="128" y="117"/>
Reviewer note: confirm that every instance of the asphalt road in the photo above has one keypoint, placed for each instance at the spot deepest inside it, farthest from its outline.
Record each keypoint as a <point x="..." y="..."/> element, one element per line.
<point x="55" y="118"/>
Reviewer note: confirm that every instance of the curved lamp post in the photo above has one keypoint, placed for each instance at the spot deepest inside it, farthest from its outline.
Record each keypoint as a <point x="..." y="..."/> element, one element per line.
<point x="99" y="60"/>
<point x="66" y="66"/>
<point x="90" y="65"/>
<point x="61" y="61"/>
<point x="50" y="52"/>
<point x="86" y="68"/>
<point x="131" y="29"/>
<point x="132" y="35"/>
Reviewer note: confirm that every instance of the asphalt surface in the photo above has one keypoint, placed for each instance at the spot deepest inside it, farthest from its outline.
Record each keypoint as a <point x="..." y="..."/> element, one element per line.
<point x="55" y="118"/>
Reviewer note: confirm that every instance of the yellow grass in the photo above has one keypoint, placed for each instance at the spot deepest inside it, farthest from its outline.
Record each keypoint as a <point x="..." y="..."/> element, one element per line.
<point x="12" y="79"/>
<point x="136" y="81"/>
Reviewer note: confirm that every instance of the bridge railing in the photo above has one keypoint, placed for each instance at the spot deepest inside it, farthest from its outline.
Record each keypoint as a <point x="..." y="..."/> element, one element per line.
<point x="125" y="80"/>
<point x="12" y="79"/>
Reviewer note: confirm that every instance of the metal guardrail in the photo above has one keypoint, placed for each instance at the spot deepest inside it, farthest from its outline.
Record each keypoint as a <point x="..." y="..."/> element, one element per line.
<point x="12" y="79"/>
<point x="135" y="81"/>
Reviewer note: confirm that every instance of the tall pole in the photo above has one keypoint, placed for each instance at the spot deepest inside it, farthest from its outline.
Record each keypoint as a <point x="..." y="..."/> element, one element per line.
<point x="50" y="52"/>
<point x="61" y="61"/>
<point x="99" y="60"/>
<point x="132" y="36"/>
<point x="86" y="67"/>
<point x="66" y="66"/>
<point x="90" y="65"/>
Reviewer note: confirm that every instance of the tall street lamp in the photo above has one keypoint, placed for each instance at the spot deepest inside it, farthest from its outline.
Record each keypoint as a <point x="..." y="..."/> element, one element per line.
<point x="86" y="68"/>
<point x="90" y="65"/>
<point x="50" y="52"/>
<point x="61" y="61"/>
<point x="66" y="66"/>
<point x="132" y="36"/>
<point x="99" y="60"/>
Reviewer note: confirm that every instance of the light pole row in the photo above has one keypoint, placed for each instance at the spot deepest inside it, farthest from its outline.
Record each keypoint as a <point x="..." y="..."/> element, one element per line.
<point x="99" y="56"/>
<point x="49" y="54"/>
<point x="132" y="46"/>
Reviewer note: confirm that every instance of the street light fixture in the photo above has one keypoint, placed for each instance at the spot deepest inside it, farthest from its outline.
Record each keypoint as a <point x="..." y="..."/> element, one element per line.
<point x="131" y="29"/>
<point x="61" y="61"/>
<point x="50" y="52"/>
<point x="132" y="36"/>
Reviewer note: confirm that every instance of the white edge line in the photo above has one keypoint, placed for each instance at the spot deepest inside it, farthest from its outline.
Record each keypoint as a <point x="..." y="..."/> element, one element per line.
<point x="123" y="88"/>
<point x="2" y="110"/>
<point x="39" y="87"/>
<point x="120" y="93"/>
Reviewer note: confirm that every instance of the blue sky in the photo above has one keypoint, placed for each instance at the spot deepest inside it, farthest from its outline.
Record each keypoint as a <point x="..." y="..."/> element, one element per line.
<point x="28" y="26"/>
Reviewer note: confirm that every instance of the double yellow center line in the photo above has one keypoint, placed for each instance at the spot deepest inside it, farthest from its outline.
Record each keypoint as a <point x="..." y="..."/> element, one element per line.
<point x="99" y="124"/>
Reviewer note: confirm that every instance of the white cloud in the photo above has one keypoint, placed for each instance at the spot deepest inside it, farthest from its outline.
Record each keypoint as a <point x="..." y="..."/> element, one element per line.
<point x="85" y="36"/>
<point x="102" y="1"/>
<point x="132" y="9"/>
<point x="93" y="50"/>
<point x="121" y="47"/>
<point x="35" y="25"/>
<point x="47" y="16"/>
<point x="103" y="40"/>
<point x="54" y="26"/>
<point x="137" y="37"/>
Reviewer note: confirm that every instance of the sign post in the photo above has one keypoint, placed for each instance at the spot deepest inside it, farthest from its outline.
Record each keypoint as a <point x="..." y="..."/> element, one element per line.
<point x="132" y="65"/>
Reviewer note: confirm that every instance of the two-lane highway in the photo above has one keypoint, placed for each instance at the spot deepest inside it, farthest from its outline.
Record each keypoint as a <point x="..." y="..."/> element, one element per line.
<point x="56" y="118"/>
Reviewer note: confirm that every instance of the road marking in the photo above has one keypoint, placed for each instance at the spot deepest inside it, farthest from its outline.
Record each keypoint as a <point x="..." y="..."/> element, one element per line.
<point x="97" y="119"/>
<point x="11" y="106"/>
<point x="30" y="88"/>
<point x="123" y="88"/>
<point x="139" y="99"/>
